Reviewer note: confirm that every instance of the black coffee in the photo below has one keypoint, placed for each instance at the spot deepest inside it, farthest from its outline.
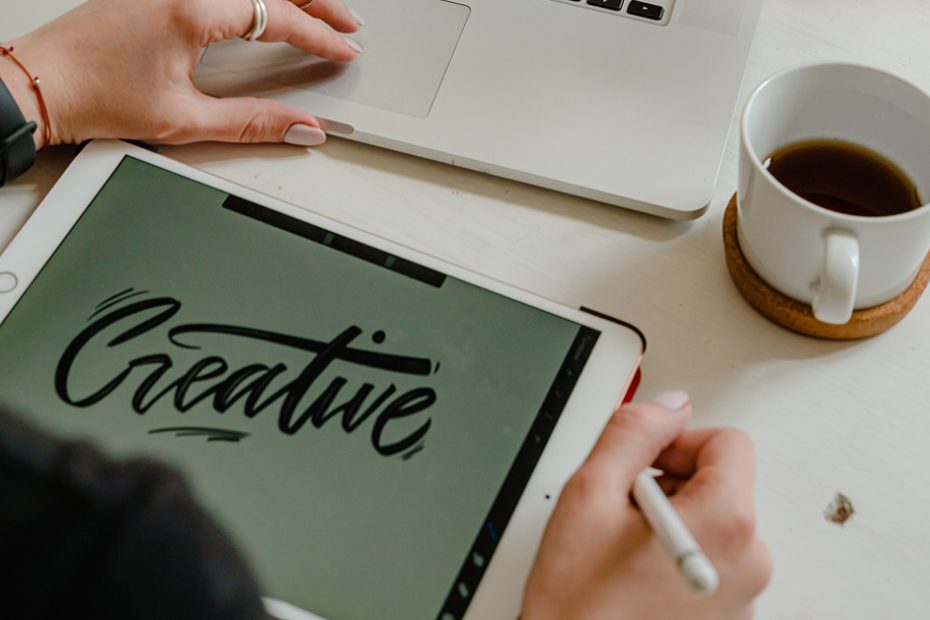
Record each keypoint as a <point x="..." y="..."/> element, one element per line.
<point x="844" y="177"/>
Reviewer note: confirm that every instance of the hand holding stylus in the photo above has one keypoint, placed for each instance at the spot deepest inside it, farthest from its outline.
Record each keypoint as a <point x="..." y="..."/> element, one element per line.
<point x="601" y="558"/>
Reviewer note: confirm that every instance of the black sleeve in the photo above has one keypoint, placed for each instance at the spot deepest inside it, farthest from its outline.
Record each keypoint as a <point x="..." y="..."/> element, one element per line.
<point x="85" y="536"/>
<point x="17" y="147"/>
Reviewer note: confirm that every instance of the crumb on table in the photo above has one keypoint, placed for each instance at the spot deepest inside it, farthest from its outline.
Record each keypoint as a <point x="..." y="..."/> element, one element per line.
<point x="839" y="509"/>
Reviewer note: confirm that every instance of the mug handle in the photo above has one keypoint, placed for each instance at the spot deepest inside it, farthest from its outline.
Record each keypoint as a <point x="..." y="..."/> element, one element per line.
<point x="835" y="293"/>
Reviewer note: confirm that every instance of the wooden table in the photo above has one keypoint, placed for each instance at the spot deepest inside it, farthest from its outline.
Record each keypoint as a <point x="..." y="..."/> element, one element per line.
<point x="826" y="417"/>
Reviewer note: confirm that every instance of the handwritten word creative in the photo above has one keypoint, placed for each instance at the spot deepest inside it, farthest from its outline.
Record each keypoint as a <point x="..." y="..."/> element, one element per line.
<point x="153" y="376"/>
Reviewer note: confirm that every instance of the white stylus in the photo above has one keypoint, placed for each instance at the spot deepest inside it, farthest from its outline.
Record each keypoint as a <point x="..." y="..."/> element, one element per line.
<point x="674" y="535"/>
<point x="279" y="610"/>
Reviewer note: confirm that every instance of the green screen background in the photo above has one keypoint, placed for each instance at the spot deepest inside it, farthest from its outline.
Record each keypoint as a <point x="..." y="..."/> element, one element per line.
<point x="327" y="522"/>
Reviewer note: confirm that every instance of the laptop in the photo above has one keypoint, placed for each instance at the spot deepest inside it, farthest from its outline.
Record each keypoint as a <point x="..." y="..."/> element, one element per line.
<point x="621" y="101"/>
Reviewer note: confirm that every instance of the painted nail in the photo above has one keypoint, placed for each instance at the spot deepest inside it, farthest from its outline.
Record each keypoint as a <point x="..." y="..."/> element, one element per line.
<point x="353" y="45"/>
<point x="358" y="18"/>
<point x="304" y="135"/>
<point x="673" y="399"/>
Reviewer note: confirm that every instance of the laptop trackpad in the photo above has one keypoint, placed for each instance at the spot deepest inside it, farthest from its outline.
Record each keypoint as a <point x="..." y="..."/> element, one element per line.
<point x="408" y="46"/>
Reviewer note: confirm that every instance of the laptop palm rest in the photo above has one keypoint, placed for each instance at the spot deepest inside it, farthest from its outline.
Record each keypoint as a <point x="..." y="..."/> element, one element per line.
<point x="408" y="47"/>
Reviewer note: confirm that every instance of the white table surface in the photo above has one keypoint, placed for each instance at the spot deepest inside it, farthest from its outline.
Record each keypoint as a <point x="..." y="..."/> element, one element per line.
<point x="825" y="417"/>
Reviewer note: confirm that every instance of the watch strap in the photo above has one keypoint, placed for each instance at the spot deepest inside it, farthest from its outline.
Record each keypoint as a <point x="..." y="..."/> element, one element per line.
<point x="17" y="147"/>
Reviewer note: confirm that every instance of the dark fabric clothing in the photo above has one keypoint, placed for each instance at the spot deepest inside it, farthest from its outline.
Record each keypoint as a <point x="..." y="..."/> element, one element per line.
<point x="84" y="536"/>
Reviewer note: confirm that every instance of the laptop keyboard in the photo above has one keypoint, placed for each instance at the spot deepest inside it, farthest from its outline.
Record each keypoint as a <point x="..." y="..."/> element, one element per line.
<point x="655" y="11"/>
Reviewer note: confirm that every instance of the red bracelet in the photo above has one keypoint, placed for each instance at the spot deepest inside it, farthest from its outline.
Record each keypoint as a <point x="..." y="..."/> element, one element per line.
<point x="34" y="82"/>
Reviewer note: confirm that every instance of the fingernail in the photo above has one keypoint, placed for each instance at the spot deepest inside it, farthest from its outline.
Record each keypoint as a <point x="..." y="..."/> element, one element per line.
<point x="673" y="399"/>
<point x="304" y="135"/>
<point x="353" y="44"/>
<point x="358" y="18"/>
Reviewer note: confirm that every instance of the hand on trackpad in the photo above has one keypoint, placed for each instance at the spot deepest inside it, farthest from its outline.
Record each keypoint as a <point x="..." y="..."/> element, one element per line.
<point x="407" y="47"/>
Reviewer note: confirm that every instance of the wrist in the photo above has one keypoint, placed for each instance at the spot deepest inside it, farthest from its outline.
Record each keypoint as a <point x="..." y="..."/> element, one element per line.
<point x="18" y="85"/>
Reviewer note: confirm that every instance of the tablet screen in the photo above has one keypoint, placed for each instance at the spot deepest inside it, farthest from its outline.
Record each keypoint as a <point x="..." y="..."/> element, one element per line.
<point x="363" y="425"/>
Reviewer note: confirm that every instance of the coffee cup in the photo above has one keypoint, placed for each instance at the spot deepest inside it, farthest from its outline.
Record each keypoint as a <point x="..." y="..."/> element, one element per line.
<point x="832" y="259"/>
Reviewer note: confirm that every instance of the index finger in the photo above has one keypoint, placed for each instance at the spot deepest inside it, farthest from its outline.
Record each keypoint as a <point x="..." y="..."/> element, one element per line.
<point x="634" y="435"/>
<point x="713" y="460"/>
<point x="289" y="24"/>
<point x="333" y="12"/>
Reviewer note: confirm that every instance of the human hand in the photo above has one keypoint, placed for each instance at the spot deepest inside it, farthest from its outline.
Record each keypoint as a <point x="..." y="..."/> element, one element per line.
<point x="600" y="559"/>
<point x="122" y="69"/>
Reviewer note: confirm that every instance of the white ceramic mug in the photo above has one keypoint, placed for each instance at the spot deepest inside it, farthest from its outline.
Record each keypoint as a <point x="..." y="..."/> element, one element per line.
<point x="832" y="261"/>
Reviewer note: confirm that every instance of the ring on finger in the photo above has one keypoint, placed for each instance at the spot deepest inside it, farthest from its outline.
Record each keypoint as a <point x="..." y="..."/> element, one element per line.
<point x="259" y="20"/>
<point x="306" y="5"/>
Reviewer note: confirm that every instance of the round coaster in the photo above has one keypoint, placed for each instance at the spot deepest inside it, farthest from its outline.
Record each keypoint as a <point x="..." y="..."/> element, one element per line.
<point x="797" y="316"/>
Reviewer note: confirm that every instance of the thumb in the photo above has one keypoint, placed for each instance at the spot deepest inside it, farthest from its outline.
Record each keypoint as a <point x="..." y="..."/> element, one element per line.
<point x="248" y="119"/>
<point x="635" y="436"/>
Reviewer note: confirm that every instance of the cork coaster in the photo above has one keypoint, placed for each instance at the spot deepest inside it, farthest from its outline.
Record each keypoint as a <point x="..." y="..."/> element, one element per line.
<point x="798" y="317"/>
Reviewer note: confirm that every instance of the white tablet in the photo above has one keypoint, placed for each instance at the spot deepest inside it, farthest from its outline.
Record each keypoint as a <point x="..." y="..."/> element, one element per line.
<point x="384" y="434"/>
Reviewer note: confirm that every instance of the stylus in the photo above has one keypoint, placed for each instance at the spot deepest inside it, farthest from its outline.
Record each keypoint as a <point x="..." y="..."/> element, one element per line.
<point x="279" y="610"/>
<point x="674" y="535"/>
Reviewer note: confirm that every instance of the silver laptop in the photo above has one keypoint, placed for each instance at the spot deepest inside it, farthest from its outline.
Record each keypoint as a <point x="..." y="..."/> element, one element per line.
<point x="622" y="101"/>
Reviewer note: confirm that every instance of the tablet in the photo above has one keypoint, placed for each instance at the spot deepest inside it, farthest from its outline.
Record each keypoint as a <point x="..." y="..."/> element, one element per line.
<point x="384" y="434"/>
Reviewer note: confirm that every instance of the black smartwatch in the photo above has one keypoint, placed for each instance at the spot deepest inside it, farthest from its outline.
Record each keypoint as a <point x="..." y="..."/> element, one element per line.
<point x="17" y="148"/>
